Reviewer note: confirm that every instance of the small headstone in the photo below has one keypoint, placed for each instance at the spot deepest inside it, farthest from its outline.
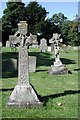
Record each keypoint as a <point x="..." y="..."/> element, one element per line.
<point x="10" y="65"/>
<point x="7" y="44"/>
<point x="0" y="44"/>
<point x="34" y="39"/>
<point x="32" y="63"/>
<point x="43" y="45"/>
<point x="12" y="39"/>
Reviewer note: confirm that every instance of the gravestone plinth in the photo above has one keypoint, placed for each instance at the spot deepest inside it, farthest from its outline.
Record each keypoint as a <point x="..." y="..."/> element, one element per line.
<point x="23" y="94"/>
<point x="57" y="67"/>
<point x="57" y="70"/>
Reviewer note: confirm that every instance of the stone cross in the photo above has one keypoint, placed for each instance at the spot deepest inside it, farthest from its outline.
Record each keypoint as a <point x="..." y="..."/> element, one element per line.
<point x="55" y="40"/>
<point x="22" y="29"/>
<point x="23" y="94"/>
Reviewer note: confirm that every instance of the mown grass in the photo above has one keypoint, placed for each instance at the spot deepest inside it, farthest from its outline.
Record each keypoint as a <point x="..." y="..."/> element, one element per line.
<point x="52" y="90"/>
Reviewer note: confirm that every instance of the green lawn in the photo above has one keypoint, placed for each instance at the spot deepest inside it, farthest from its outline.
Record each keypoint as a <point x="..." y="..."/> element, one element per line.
<point x="52" y="90"/>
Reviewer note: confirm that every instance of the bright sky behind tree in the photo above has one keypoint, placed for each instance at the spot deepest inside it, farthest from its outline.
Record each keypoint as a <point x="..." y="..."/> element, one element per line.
<point x="68" y="7"/>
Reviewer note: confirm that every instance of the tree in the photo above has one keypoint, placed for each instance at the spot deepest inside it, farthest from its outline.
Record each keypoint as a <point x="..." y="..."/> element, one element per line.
<point x="58" y="18"/>
<point x="14" y="12"/>
<point x="36" y="15"/>
<point x="33" y="13"/>
<point x="73" y="33"/>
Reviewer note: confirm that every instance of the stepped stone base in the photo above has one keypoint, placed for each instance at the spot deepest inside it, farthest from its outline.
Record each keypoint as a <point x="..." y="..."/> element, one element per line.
<point x="62" y="69"/>
<point x="23" y="96"/>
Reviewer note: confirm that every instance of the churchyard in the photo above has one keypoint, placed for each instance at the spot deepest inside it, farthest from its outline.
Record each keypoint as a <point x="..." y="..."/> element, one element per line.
<point x="58" y="93"/>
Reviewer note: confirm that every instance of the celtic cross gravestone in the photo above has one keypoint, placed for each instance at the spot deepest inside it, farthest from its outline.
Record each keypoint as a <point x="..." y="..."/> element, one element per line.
<point x="57" y="67"/>
<point x="23" y="94"/>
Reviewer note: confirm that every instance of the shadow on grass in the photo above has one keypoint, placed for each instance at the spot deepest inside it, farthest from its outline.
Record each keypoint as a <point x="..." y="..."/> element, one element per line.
<point x="6" y="89"/>
<point x="41" y="70"/>
<point x="45" y="99"/>
<point x="67" y="61"/>
<point x="7" y="55"/>
<point x="44" y="59"/>
<point x="78" y="69"/>
<point x="9" y="74"/>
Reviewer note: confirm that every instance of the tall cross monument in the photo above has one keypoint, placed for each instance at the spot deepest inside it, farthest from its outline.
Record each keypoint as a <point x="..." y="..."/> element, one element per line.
<point x="23" y="94"/>
<point x="57" y="67"/>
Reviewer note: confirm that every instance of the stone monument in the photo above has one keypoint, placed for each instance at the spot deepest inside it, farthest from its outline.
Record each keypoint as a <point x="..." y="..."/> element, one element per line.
<point x="23" y="94"/>
<point x="57" y="67"/>
<point x="22" y="29"/>
<point x="43" y="45"/>
<point x="0" y="44"/>
<point x="32" y="64"/>
<point x="13" y="42"/>
<point x="34" y="39"/>
<point x="7" y="43"/>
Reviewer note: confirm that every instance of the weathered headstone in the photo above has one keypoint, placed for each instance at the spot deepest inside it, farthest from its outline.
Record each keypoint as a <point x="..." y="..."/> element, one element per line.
<point x="13" y="42"/>
<point x="34" y="39"/>
<point x="58" y="67"/>
<point x="0" y="44"/>
<point x="23" y="94"/>
<point x="32" y="63"/>
<point x="7" y="44"/>
<point x="43" y="45"/>
<point x="10" y="65"/>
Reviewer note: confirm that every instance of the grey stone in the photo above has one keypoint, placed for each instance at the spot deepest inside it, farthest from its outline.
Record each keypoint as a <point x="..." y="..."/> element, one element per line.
<point x="54" y="40"/>
<point x="0" y="44"/>
<point x="23" y="27"/>
<point x="35" y="42"/>
<point x="57" y="70"/>
<point x="16" y="38"/>
<point x="11" y="64"/>
<point x="49" y="49"/>
<point x="7" y="44"/>
<point x="43" y="45"/>
<point x="52" y="47"/>
<point x="32" y="64"/>
<point x="23" y="94"/>
<point x="57" y="67"/>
